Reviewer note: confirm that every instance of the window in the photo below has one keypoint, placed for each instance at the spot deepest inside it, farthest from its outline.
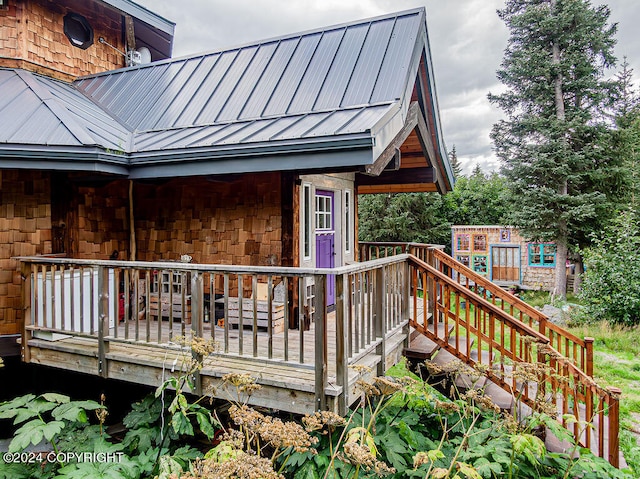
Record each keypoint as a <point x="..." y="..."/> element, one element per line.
<point x="306" y="220"/>
<point x="165" y="282"/>
<point x="542" y="254"/>
<point x="480" y="242"/>
<point x="480" y="264"/>
<point x="324" y="218"/>
<point x="347" y="216"/>
<point x="463" y="242"/>
<point x="78" y="30"/>
<point x="464" y="259"/>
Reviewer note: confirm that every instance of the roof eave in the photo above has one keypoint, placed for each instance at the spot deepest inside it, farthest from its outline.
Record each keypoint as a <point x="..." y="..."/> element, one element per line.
<point x="143" y="14"/>
<point x="350" y="151"/>
<point x="347" y="152"/>
<point x="93" y="159"/>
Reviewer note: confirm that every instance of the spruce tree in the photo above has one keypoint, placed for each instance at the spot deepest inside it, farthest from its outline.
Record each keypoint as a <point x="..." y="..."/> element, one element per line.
<point x="455" y="163"/>
<point x="550" y="142"/>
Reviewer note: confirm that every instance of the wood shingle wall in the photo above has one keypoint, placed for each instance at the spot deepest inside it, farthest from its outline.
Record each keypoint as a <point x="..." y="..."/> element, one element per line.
<point x="237" y="221"/>
<point x="32" y="37"/>
<point x="25" y="230"/>
<point x="102" y="220"/>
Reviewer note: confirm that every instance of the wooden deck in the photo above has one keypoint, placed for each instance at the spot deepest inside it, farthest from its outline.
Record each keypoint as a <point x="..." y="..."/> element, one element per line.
<point x="76" y="302"/>
<point x="285" y="370"/>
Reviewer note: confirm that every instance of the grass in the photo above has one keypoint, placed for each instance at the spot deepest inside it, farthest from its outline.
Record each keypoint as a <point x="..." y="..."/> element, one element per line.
<point x="616" y="363"/>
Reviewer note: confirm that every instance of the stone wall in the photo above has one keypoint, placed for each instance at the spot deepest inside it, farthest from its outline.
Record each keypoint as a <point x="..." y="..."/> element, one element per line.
<point x="32" y="37"/>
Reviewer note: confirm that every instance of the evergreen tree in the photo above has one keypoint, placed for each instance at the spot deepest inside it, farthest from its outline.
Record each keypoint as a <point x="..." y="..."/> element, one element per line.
<point x="427" y="217"/>
<point x="455" y="163"/>
<point x="625" y="139"/>
<point x="478" y="199"/>
<point x="550" y="144"/>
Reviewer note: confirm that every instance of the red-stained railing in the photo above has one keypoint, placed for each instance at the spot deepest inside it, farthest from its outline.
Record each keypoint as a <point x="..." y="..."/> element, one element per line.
<point x="480" y="323"/>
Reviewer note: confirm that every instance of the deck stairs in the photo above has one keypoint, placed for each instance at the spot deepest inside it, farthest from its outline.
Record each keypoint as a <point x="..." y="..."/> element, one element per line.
<point x="473" y="318"/>
<point x="422" y="350"/>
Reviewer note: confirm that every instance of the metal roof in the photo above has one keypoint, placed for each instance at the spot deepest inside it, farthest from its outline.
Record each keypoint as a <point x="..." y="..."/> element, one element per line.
<point x="37" y="110"/>
<point x="341" y="67"/>
<point x="346" y="87"/>
<point x="143" y="14"/>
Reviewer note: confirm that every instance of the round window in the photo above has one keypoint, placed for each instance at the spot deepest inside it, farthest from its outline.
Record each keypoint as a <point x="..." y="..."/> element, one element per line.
<point x="78" y="30"/>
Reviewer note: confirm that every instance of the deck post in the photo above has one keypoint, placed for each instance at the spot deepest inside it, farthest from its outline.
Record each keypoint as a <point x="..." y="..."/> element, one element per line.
<point x="103" y="309"/>
<point x="380" y="307"/>
<point x="407" y="289"/>
<point x="588" y="360"/>
<point x="321" y="350"/>
<point x="197" y="315"/>
<point x="342" y="341"/>
<point x="613" y="403"/>
<point x="27" y="275"/>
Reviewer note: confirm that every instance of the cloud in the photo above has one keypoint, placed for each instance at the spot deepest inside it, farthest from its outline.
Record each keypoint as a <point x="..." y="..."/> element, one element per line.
<point x="467" y="42"/>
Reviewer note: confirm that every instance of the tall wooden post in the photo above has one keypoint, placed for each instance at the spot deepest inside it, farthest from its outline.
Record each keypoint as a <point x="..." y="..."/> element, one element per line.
<point x="132" y="225"/>
<point x="588" y="359"/>
<point x="197" y="318"/>
<point x="321" y="349"/>
<point x="613" y="404"/>
<point x="103" y="317"/>
<point x="28" y="274"/>
<point x="380" y="308"/>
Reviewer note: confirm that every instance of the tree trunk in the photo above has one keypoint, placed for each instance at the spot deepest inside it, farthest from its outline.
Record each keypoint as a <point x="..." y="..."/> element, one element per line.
<point x="560" y="289"/>
<point x="577" y="274"/>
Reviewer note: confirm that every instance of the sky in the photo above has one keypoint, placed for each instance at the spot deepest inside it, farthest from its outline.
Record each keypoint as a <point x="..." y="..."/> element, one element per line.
<point x="466" y="37"/>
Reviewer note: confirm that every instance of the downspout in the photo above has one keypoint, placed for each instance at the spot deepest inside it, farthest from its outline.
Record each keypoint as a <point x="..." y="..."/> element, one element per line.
<point x="132" y="225"/>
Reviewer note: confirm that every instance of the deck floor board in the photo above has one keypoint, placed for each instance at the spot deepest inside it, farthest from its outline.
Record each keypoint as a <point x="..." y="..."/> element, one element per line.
<point x="288" y="384"/>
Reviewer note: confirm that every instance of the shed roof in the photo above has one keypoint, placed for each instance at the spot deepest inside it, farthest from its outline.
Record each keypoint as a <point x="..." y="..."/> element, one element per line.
<point x="333" y="98"/>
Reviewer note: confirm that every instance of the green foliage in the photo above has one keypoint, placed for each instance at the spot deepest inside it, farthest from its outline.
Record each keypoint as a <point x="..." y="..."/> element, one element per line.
<point x="43" y="417"/>
<point x="478" y="199"/>
<point x="611" y="286"/>
<point x="407" y="217"/>
<point x="151" y="446"/>
<point x="421" y="434"/>
<point x="427" y="217"/>
<point x="554" y="145"/>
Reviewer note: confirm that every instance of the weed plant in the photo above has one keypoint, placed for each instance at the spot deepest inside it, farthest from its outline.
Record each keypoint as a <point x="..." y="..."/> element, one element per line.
<point x="400" y="428"/>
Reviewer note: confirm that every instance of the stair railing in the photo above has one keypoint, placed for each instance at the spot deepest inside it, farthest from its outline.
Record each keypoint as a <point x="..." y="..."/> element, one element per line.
<point x="483" y="335"/>
<point x="569" y="345"/>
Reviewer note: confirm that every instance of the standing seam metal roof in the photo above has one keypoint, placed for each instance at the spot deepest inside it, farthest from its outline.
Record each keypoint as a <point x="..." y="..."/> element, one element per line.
<point x="36" y="110"/>
<point x="341" y="88"/>
<point x="360" y="64"/>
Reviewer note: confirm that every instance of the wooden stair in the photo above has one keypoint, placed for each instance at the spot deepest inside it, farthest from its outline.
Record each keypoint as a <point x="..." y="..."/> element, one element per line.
<point x="422" y="349"/>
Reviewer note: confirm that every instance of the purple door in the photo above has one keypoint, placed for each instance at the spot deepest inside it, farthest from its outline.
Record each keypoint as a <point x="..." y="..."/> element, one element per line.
<point x="325" y="239"/>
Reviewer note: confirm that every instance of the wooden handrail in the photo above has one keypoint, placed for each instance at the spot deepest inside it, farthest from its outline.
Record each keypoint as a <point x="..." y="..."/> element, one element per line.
<point x="581" y="396"/>
<point x="480" y="301"/>
<point x="564" y="341"/>
<point x="569" y="344"/>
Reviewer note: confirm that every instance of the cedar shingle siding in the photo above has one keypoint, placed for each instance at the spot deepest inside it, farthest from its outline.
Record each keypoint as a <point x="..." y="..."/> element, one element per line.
<point x="32" y="37"/>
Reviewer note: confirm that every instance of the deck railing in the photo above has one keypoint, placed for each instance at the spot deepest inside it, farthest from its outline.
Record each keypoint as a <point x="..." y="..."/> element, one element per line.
<point x="569" y="345"/>
<point x="285" y="312"/>
<point x="273" y="314"/>
<point x="478" y="332"/>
